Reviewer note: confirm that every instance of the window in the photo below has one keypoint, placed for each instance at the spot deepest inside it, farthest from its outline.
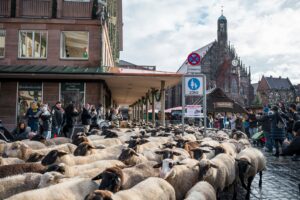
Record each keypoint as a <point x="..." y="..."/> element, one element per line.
<point x="2" y="43"/>
<point x="27" y="93"/>
<point x="74" y="45"/>
<point x="33" y="44"/>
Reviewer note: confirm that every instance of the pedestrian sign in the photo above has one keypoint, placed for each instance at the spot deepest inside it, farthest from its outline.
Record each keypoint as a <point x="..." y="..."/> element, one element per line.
<point x="194" y="86"/>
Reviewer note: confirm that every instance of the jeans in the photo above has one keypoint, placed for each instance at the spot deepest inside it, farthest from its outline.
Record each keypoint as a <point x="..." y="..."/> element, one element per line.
<point x="56" y="131"/>
<point x="277" y="143"/>
<point x="252" y="131"/>
<point x="269" y="141"/>
<point x="47" y="134"/>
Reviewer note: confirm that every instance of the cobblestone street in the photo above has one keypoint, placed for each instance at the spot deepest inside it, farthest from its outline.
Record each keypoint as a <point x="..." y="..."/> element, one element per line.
<point x="280" y="181"/>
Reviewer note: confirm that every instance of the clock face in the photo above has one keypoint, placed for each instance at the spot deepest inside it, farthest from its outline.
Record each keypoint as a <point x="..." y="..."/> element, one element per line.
<point x="234" y="63"/>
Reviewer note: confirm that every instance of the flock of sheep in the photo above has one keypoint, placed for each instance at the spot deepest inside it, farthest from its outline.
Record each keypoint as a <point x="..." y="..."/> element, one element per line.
<point x="136" y="163"/>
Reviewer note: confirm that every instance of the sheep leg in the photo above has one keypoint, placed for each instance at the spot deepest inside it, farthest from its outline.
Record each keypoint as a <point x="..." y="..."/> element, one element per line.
<point x="250" y="179"/>
<point x="260" y="179"/>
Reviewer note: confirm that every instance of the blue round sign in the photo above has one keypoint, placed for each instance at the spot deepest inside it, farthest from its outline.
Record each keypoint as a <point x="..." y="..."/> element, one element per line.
<point x="194" y="84"/>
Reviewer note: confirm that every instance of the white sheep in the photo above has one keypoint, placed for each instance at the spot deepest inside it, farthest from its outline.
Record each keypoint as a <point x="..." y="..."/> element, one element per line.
<point x="149" y="189"/>
<point x="250" y="162"/>
<point x="201" y="191"/>
<point x="73" y="189"/>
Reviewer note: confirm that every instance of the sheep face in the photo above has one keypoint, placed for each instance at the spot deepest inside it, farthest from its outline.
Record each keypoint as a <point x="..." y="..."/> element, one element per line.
<point x="205" y="169"/>
<point x="16" y="150"/>
<point x="167" y="154"/>
<point x="99" y="195"/>
<point x="52" y="156"/>
<point x="50" y="178"/>
<point x="243" y="167"/>
<point x="181" y="143"/>
<point x="167" y="168"/>
<point x="198" y="153"/>
<point x="126" y="155"/>
<point x="169" y="145"/>
<point x="84" y="149"/>
<point x="109" y="181"/>
<point x="79" y="139"/>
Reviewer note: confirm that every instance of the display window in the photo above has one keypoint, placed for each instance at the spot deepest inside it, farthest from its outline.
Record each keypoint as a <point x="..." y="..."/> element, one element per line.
<point x="72" y="92"/>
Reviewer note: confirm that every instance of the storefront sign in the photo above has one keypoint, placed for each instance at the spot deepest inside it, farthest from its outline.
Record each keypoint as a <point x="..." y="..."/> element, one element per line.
<point x="72" y="86"/>
<point x="194" y="111"/>
<point x="223" y="105"/>
<point x="29" y="86"/>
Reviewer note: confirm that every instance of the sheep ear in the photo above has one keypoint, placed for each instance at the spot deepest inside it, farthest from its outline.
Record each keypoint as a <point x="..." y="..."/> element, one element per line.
<point x="97" y="177"/>
<point x="159" y="152"/>
<point x="157" y="165"/>
<point x="91" y="146"/>
<point x="50" y="158"/>
<point x="61" y="153"/>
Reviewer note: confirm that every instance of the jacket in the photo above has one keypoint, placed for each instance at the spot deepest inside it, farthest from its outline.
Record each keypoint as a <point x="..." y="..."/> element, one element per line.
<point x="46" y="121"/>
<point x="252" y="121"/>
<point x="21" y="134"/>
<point x="86" y="117"/>
<point x="71" y="117"/>
<point x="277" y="132"/>
<point x="58" y="117"/>
<point x="265" y="123"/>
<point x="293" y="147"/>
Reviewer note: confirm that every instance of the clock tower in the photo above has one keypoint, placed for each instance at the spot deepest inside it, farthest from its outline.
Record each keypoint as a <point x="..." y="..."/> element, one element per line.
<point x="222" y="30"/>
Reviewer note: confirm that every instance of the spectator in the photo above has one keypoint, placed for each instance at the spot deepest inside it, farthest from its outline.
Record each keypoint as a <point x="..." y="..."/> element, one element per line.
<point x="265" y="123"/>
<point x="46" y="121"/>
<point x="293" y="148"/>
<point x="233" y="122"/>
<point x="70" y="114"/>
<point x="95" y="117"/>
<point x="21" y="132"/>
<point x="291" y="117"/>
<point x="58" y="118"/>
<point x="277" y="129"/>
<point x="86" y="118"/>
<point x="32" y="116"/>
<point x="252" y="123"/>
<point x="239" y="123"/>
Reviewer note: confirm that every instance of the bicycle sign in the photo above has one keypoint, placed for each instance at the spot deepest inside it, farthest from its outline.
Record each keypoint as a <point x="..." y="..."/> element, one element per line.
<point x="194" y="59"/>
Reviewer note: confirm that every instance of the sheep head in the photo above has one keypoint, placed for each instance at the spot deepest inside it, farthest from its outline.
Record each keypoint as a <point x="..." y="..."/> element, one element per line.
<point x="35" y="157"/>
<point x="167" y="153"/>
<point x="17" y="150"/>
<point x="50" y="178"/>
<point x="199" y="153"/>
<point x="52" y="156"/>
<point x="84" y="149"/>
<point x="127" y="155"/>
<point x="99" y="195"/>
<point x="244" y="165"/>
<point x="167" y="170"/>
<point x="111" y="179"/>
<point x="205" y="167"/>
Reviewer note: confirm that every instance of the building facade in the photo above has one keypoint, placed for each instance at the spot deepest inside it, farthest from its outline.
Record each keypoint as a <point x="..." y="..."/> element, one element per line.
<point x="273" y="90"/>
<point x="70" y="38"/>
<point x="223" y="69"/>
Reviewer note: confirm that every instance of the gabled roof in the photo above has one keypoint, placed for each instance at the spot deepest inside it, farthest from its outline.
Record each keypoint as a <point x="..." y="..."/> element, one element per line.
<point x="201" y="52"/>
<point x="279" y="83"/>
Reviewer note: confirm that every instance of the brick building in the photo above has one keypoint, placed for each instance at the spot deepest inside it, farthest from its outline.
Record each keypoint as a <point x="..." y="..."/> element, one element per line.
<point x="223" y="69"/>
<point x="273" y="90"/>
<point x="53" y="49"/>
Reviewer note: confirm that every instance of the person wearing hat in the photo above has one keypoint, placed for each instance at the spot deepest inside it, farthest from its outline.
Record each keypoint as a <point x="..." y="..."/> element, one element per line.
<point x="277" y="129"/>
<point x="58" y="118"/>
<point x="265" y="123"/>
<point x="293" y="148"/>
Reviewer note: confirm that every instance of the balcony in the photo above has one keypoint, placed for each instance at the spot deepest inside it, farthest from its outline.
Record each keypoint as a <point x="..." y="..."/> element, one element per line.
<point x="73" y="9"/>
<point x="5" y="8"/>
<point x="35" y="8"/>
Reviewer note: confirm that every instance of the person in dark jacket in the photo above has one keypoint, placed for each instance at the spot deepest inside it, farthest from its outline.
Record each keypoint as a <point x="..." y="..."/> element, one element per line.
<point x="58" y="118"/>
<point x="252" y="123"/>
<point x="86" y="117"/>
<point x="95" y="113"/>
<point x="70" y="115"/>
<point x="293" y="148"/>
<point x="291" y="117"/>
<point x="21" y="132"/>
<point x="46" y="122"/>
<point x="32" y="116"/>
<point x="277" y="129"/>
<point x="265" y="123"/>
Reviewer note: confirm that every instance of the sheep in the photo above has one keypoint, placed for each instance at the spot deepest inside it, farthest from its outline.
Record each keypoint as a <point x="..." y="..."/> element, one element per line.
<point x="149" y="189"/>
<point x="175" y="154"/>
<point x="57" y="156"/>
<point x="130" y="157"/>
<point x="180" y="176"/>
<point x="13" y="185"/>
<point x="60" y="140"/>
<point x="220" y="172"/>
<point x="115" y="178"/>
<point x="237" y="135"/>
<point x="10" y="170"/>
<point x="10" y="161"/>
<point x="73" y="189"/>
<point x="86" y="148"/>
<point x="201" y="191"/>
<point x="201" y="153"/>
<point x="107" y="142"/>
<point x="245" y="143"/>
<point x="34" y="144"/>
<point x="23" y="151"/>
<point x="250" y="161"/>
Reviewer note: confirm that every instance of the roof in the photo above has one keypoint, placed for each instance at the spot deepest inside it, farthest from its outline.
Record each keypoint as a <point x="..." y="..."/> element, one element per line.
<point x="123" y="62"/>
<point x="222" y="17"/>
<point x="202" y="51"/>
<point x="279" y="83"/>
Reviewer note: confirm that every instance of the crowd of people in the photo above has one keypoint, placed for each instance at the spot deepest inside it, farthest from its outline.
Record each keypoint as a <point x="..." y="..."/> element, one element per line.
<point x="276" y="127"/>
<point x="56" y="121"/>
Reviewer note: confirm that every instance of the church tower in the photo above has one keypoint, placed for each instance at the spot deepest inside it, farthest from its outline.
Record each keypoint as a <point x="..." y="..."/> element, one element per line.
<point x="222" y="30"/>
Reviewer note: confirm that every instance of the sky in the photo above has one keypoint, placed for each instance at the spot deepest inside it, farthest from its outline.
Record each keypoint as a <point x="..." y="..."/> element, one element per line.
<point x="265" y="33"/>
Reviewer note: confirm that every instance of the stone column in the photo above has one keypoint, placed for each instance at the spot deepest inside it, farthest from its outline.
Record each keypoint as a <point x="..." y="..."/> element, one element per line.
<point x="147" y="116"/>
<point x="153" y="107"/>
<point x="138" y="111"/>
<point x="162" y="103"/>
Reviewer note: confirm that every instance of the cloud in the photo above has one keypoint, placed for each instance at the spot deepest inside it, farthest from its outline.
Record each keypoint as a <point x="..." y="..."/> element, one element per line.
<point x="265" y="34"/>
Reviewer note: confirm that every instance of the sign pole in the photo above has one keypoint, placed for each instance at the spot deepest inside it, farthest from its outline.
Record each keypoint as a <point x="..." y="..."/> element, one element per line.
<point x="204" y="104"/>
<point x="183" y="103"/>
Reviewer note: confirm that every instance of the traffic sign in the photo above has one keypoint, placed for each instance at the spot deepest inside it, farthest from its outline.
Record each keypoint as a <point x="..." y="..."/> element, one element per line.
<point x="193" y="86"/>
<point x="194" y="59"/>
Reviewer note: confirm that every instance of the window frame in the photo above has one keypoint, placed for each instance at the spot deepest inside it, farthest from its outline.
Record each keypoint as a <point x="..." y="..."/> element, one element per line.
<point x="33" y="45"/>
<point x="73" y="58"/>
<point x="4" y="31"/>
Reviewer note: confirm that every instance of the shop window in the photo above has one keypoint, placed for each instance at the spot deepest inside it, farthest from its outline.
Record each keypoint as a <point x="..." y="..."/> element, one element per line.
<point x="2" y="43"/>
<point x="74" y="45"/>
<point x="33" y="44"/>
<point x="72" y="92"/>
<point x="27" y="93"/>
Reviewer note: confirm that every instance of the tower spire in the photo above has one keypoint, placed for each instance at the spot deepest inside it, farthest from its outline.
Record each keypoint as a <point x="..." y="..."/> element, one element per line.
<point x="222" y="7"/>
